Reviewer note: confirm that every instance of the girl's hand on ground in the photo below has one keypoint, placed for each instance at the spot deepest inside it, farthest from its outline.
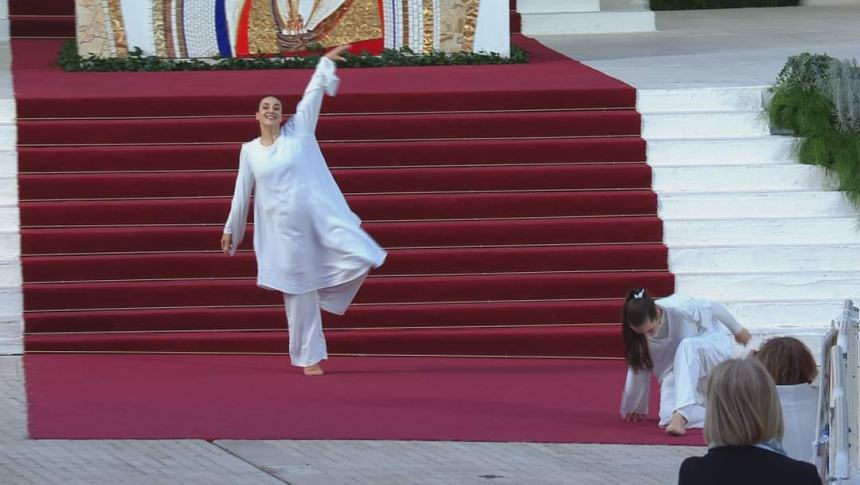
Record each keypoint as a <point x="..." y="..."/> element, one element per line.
<point x="630" y="417"/>
<point x="226" y="243"/>
<point x="335" y="54"/>
<point x="743" y="337"/>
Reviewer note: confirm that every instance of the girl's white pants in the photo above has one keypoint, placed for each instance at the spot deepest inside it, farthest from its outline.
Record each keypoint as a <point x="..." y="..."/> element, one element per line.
<point x="304" y="319"/>
<point x="683" y="389"/>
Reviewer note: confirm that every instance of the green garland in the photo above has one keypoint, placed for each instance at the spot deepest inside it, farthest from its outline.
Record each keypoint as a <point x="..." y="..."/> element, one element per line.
<point x="137" y="61"/>
<point x="805" y="103"/>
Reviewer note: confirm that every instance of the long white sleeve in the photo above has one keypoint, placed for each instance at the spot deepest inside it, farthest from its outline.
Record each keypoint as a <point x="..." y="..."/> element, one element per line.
<point x="637" y="386"/>
<point x="238" y="217"/>
<point x="324" y="81"/>
<point x="722" y="314"/>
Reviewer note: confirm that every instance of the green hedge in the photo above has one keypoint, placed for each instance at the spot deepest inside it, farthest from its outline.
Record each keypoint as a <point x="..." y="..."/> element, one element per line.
<point x="69" y="60"/>
<point x="817" y="98"/>
<point x="702" y="4"/>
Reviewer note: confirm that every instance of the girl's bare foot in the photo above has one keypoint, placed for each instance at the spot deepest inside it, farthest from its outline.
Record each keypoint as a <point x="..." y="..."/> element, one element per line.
<point x="314" y="370"/>
<point x="678" y="425"/>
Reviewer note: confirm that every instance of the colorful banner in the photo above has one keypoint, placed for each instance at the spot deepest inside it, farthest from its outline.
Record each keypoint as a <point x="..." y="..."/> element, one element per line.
<point x="242" y="28"/>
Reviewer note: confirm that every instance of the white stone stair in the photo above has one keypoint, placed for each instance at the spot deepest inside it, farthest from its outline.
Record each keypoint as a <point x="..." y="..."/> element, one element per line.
<point x="744" y="223"/>
<point x="722" y="151"/>
<point x="4" y="21"/>
<point x="785" y="176"/>
<point x="705" y="124"/>
<point x="549" y="17"/>
<point x="11" y="296"/>
<point x="754" y="205"/>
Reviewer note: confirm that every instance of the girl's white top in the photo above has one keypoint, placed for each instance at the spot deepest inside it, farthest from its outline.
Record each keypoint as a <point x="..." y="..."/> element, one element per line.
<point x="683" y="317"/>
<point x="305" y="235"/>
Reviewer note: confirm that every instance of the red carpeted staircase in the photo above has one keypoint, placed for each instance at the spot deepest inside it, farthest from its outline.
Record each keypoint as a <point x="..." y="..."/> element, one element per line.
<point x="514" y="200"/>
<point x="42" y="18"/>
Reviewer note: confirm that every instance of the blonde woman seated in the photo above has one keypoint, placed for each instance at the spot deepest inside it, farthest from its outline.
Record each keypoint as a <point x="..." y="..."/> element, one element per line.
<point x="793" y="368"/>
<point x="743" y="429"/>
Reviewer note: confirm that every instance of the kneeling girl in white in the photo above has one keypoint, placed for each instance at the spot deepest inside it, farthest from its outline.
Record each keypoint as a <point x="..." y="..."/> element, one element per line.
<point x="680" y="340"/>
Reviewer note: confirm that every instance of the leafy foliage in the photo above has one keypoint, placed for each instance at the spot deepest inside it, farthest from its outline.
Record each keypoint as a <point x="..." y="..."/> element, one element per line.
<point x="817" y="98"/>
<point x="137" y="61"/>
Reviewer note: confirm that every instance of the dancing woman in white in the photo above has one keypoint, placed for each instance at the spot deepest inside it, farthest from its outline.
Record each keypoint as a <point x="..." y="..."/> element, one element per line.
<point x="680" y="340"/>
<point x="309" y="244"/>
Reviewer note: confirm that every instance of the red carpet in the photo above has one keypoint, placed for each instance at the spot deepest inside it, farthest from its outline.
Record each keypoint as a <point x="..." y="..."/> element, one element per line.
<point x="550" y="81"/>
<point x="258" y="397"/>
<point x="515" y="202"/>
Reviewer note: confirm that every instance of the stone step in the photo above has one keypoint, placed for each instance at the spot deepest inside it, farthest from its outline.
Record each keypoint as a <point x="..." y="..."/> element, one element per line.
<point x="8" y="191"/>
<point x="11" y="300"/>
<point x="525" y="7"/>
<point x="720" y="151"/>
<point x="9" y="220"/>
<point x="782" y="231"/>
<point x="767" y="258"/>
<point x="10" y="244"/>
<point x="790" y="314"/>
<point x="11" y="346"/>
<point x="755" y="206"/>
<point x="699" y="99"/>
<point x="8" y="162"/>
<point x="10" y="271"/>
<point x="8" y="133"/>
<point x="724" y="124"/>
<point x="738" y="178"/>
<point x="624" y="5"/>
<point x="587" y="23"/>
<point x="814" y="285"/>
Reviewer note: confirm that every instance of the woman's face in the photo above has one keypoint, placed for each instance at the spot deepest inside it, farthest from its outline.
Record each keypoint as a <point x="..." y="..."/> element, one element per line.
<point x="269" y="112"/>
<point x="649" y="327"/>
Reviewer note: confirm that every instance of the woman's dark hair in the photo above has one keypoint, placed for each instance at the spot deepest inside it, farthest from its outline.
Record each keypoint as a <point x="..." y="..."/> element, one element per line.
<point x="788" y="361"/>
<point x="638" y="308"/>
<point x="260" y="101"/>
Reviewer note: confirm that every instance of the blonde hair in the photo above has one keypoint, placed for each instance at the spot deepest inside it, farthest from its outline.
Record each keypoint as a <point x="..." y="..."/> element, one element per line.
<point x="743" y="406"/>
<point x="788" y="360"/>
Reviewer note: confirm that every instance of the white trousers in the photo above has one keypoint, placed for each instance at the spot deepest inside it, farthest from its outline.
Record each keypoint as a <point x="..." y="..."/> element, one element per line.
<point x="683" y="389"/>
<point x="304" y="319"/>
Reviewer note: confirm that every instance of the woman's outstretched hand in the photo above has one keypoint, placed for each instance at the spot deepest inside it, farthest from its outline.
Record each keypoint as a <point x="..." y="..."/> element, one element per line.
<point x="335" y="54"/>
<point x="226" y="243"/>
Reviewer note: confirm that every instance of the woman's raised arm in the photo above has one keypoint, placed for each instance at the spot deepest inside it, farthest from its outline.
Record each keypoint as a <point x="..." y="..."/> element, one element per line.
<point x="324" y="81"/>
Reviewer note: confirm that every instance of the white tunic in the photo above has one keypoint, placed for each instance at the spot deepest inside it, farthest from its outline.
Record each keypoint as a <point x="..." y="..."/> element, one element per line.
<point x="690" y="331"/>
<point x="305" y="235"/>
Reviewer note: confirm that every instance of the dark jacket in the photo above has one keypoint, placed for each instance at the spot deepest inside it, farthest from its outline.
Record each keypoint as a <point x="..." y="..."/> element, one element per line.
<point x="742" y="465"/>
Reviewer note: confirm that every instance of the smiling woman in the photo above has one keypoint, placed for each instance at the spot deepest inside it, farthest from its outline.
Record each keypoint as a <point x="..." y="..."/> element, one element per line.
<point x="309" y="244"/>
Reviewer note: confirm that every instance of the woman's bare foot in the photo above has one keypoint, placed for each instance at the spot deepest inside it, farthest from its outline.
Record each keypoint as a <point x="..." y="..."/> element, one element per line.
<point x="314" y="370"/>
<point x="678" y="425"/>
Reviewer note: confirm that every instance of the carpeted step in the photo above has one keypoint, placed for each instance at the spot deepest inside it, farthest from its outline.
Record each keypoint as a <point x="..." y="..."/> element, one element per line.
<point x="472" y="314"/>
<point x="575" y="341"/>
<point x="571" y="230"/>
<point x="516" y="22"/>
<point x="383" y="289"/>
<point x="338" y="155"/>
<point x="42" y="7"/>
<point x="355" y="181"/>
<point x="550" y="81"/>
<point x="42" y="25"/>
<point x="342" y="127"/>
<point x="369" y="207"/>
<point x="399" y="262"/>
